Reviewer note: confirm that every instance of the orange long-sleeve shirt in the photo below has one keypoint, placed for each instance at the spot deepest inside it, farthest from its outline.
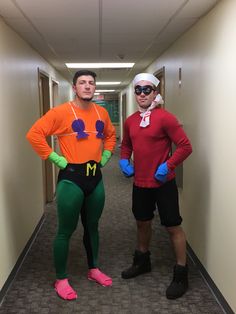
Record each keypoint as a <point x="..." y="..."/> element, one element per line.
<point x="58" y="121"/>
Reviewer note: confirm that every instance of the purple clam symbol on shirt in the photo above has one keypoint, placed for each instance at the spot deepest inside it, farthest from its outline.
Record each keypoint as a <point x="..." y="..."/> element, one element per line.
<point x="79" y="127"/>
<point x="99" y="128"/>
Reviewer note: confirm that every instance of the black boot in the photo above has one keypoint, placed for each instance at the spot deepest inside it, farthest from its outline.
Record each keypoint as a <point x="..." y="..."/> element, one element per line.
<point x="179" y="284"/>
<point x="141" y="264"/>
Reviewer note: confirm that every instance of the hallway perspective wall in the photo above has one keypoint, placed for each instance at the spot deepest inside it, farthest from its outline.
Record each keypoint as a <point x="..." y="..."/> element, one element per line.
<point x="205" y="103"/>
<point x="131" y="105"/>
<point x="21" y="194"/>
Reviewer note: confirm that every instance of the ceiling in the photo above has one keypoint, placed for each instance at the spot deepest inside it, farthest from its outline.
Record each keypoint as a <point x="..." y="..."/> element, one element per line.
<point x="102" y="30"/>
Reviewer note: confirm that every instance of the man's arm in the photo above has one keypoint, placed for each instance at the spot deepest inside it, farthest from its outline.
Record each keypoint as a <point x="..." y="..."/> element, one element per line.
<point x="126" y="151"/>
<point x="109" y="141"/>
<point x="43" y="127"/>
<point x="39" y="131"/>
<point x="183" y="147"/>
<point x="178" y="136"/>
<point x="126" y="144"/>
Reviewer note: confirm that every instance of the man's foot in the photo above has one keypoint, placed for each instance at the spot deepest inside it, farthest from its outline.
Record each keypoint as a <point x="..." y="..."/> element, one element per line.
<point x="141" y="264"/>
<point x="179" y="284"/>
<point x="64" y="290"/>
<point x="96" y="275"/>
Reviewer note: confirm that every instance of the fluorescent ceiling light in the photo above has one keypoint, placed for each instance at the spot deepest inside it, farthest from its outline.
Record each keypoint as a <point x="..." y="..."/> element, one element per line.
<point x="98" y="65"/>
<point x="96" y="94"/>
<point x="108" y="83"/>
<point x="104" y="90"/>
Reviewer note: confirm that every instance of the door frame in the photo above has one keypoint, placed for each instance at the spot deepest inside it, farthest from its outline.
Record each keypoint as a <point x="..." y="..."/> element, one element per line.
<point x="44" y="106"/>
<point x="54" y="93"/>
<point x="123" y="112"/>
<point x="160" y="75"/>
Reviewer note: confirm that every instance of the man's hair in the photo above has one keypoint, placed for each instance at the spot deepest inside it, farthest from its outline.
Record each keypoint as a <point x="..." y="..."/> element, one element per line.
<point x="83" y="72"/>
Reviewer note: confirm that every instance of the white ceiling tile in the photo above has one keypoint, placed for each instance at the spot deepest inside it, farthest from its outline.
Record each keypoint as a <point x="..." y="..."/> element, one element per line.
<point x="133" y="28"/>
<point x="141" y="11"/>
<point x="102" y="30"/>
<point x="20" y="23"/>
<point x="60" y="9"/>
<point x="53" y="30"/>
<point x="195" y="9"/>
<point x="9" y="10"/>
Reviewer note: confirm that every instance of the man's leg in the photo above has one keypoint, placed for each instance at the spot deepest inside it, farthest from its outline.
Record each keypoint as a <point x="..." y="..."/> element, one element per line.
<point x="141" y="262"/>
<point x="178" y="240"/>
<point x="168" y="206"/>
<point x="143" y="206"/>
<point x="179" y="284"/>
<point x="90" y="215"/>
<point x="69" y="201"/>
<point x="144" y="233"/>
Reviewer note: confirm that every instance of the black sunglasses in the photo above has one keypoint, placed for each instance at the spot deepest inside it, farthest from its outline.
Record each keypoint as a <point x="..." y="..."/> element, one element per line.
<point x="146" y="89"/>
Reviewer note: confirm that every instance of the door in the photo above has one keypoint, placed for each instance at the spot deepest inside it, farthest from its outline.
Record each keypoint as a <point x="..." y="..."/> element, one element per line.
<point x="44" y="103"/>
<point x="123" y="114"/>
<point x="160" y="74"/>
<point x="55" y="139"/>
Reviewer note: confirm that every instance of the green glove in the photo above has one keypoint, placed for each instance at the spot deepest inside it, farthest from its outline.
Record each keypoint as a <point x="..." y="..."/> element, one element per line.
<point x="106" y="155"/>
<point x="59" y="161"/>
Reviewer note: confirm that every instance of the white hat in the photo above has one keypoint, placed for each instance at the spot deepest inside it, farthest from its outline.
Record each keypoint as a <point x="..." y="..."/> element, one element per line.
<point x="146" y="77"/>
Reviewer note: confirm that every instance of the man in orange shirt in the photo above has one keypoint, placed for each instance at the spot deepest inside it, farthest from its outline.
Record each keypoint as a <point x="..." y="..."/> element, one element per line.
<point x="87" y="139"/>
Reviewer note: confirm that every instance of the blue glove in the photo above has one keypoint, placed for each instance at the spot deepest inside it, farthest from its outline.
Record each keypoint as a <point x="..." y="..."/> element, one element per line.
<point x="126" y="167"/>
<point x="162" y="172"/>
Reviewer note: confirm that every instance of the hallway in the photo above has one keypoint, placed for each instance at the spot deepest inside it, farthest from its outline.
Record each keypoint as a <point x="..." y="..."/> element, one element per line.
<point x="32" y="291"/>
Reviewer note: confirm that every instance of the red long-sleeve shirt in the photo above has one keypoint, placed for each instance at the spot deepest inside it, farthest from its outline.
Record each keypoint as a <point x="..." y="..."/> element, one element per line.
<point x="151" y="146"/>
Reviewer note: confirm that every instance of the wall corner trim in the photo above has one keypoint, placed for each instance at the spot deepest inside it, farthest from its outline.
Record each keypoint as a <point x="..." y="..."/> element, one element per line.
<point x="210" y="283"/>
<point x="20" y="260"/>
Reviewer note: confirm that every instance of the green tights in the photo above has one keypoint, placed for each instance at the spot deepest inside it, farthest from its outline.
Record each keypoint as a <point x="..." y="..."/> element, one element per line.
<point x="71" y="202"/>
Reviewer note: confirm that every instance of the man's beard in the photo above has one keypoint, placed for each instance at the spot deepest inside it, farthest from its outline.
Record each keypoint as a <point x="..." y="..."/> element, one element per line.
<point x="145" y="106"/>
<point x="86" y="99"/>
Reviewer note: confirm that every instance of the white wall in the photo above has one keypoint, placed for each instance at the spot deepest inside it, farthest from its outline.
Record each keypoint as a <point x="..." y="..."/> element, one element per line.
<point x="21" y="193"/>
<point x="130" y="107"/>
<point x="206" y="104"/>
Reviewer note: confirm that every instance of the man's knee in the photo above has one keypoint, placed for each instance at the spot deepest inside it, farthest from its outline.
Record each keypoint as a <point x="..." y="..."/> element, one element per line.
<point x="175" y="230"/>
<point x="144" y="225"/>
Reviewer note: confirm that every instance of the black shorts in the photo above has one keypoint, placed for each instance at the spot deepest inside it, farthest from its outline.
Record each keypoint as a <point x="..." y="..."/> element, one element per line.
<point x="164" y="198"/>
<point x="86" y="175"/>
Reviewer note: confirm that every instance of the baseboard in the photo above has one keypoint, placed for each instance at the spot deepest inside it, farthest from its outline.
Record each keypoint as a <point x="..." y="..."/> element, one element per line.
<point x="212" y="286"/>
<point x="20" y="260"/>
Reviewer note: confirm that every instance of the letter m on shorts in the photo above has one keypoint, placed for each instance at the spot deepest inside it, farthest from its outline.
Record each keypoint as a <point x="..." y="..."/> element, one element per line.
<point x="91" y="168"/>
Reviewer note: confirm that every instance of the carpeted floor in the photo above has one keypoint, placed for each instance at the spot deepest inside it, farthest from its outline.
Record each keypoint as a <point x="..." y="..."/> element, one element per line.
<point x="32" y="290"/>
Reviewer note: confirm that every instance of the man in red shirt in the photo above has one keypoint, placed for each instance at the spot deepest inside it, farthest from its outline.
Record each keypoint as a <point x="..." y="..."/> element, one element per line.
<point x="149" y="134"/>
